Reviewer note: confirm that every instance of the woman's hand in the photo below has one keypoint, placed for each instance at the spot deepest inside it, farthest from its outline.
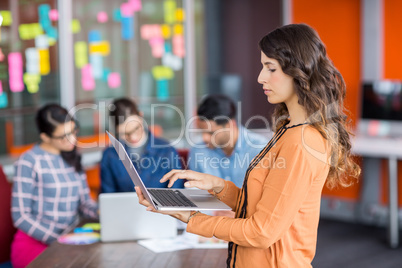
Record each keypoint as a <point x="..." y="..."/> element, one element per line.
<point x="180" y="215"/>
<point x="195" y="179"/>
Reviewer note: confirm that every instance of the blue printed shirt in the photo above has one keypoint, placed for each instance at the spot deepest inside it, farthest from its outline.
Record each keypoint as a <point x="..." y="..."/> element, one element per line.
<point x="232" y="168"/>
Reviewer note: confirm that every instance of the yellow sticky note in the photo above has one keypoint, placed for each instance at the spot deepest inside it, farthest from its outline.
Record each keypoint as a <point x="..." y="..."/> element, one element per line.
<point x="180" y="15"/>
<point x="161" y="72"/>
<point x="51" y="41"/>
<point x="166" y="32"/>
<point x="102" y="48"/>
<point x="7" y="17"/>
<point x="178" y="29"/>
<point x="80" y="54"/>
<point x="32" y="81"/>
<point x="44" y="63"/>
<point x="75" y="26"/>
<point x="36" y="29"/>
<point x="169" y="7"/>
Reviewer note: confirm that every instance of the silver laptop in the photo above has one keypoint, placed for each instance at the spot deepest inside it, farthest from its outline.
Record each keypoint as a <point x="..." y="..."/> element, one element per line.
<point x="122" y="218"/>
<point x="168" y="199"/>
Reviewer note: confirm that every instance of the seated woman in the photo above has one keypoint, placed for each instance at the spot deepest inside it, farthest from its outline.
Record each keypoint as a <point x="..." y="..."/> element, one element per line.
<point x="50" y="188"/>
<point x="152" y="157"/>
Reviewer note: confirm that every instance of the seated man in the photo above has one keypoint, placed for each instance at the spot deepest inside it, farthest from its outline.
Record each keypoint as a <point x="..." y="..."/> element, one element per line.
<point x="227" y="149"/>
<point x="152" y="157"/>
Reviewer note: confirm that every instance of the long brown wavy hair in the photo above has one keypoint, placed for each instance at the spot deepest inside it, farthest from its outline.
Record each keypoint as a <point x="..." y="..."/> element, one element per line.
<point x="321" y="91"/>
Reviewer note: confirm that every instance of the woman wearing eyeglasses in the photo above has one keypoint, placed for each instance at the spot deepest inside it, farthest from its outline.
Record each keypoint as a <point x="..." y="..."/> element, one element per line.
<point x="50" y="188"/>
<point x="152" y="157"/>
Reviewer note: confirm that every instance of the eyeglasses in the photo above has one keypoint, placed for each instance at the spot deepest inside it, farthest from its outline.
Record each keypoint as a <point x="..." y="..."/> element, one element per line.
<point x="67" y="135"/>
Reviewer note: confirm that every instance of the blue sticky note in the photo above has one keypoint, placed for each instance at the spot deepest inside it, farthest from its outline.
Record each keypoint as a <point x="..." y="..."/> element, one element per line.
<point x="162" y="90"/>
<point x="3" y="100"/>
<point x="83" y="230"/>
<point x="168" y="47"/>
<point x="94" y="36"/>
<point x="127" y="28"/>
<point x="106" y="72"/>
<point x="117" y="14"/>
<point x="45" y="23"/>
<point x="96" y="61"/>
<point x="43" y="10"/>
<point x="52" y="32"/>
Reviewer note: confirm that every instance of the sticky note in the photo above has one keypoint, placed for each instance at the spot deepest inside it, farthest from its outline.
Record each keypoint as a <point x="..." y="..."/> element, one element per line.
<point x="166" y="32"/>
<point x="162" y="90"/>
<point x="114" y="80"/>
<point x="32" y="82"/>
<point x="42" y="41"/>
<point x="1" y="87"/>
<point x="53" y="15"/>
<point x="96" y="61"/>
<point x="178" y="45"/>
<point x="87" y="81"/>
<point x="106" y="72"/>
<point x="136" y="5"/>
<point x="162" y="73"/>
<point x="15" y="71"/>
<point x="178" y="29"/>
<point x="7" y="17"/>
<point x="93" y="226"/>
<point x="3" y="100"/>
<point x="75" y="26"/>
<point x="80" y="54"/>
<point x="169" y="8"/>
<point x="127" y="28"/>
<point x="52" y="32"/>
<point x="157" y="46"/>
<point x="117" y="14"/>
<point x="29" y="31"/>
<point x="168" y="47"/>
<point x="44" y="9"/>
<point x="102" y="48"/>
<point x="1" y="55"/>
<point x="180" y="17"/>
<point x="172" y="61"/>
<point x="102" y="17"/>
<point x="32" y="60"/>
<point x="44" y="62"/>
<point x="51" y="41"/>
<point x="126" y="10"/>
<point x="94" y="36"/>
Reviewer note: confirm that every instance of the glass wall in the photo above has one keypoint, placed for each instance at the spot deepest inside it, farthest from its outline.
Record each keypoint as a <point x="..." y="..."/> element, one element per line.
<point x="121" y="48"/>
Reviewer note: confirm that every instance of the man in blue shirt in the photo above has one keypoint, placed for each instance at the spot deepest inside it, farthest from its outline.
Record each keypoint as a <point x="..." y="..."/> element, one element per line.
<point x="227" y="148"/>
<point x="152" y="157"/>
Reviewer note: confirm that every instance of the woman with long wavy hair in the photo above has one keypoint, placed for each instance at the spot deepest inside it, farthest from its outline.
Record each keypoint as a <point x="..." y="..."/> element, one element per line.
<point x="277" y="209"/>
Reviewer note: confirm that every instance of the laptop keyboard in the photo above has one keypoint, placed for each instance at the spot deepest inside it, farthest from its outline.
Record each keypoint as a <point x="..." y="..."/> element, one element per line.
<point x="171" y="198"/>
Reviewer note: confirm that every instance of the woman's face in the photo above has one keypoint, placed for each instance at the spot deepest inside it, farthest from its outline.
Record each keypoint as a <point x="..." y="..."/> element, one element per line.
<point x="277" y="85"/>
<point x="64" y="137"/>
<point x="132" y="131"/>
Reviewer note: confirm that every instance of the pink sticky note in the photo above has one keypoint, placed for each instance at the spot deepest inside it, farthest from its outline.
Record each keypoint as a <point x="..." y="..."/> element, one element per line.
<point x="156" y="30"/>
<point x="1" y="55"/>
<point x="1" y="88"/>
<point x="178" y="46"/>
<point x="135" y="5"/>
<point x="114" y="80"/>
<point x="15" y="72"/>
<point x="53" y="14"/>
<point x="145" y="31"/>
<point x="126" y="10"/>
<point x="87" y="80"/>
<point x="102" y="17"/>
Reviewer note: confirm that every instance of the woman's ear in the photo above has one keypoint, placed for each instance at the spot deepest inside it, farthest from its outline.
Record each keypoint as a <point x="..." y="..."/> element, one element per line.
<point x="45" y="138"/>
<point x="141" y="114"/>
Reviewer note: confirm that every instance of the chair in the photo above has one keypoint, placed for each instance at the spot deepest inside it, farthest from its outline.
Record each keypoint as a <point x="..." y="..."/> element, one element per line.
<point x="7" y="230"/>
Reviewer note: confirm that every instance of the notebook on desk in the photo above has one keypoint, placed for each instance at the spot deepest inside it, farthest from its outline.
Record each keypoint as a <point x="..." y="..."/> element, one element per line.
<point x="168" y="199"/>
<point x="122" y="218"/>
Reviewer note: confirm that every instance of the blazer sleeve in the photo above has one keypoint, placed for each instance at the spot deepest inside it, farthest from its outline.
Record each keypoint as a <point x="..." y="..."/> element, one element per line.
<point x="284" y="191"/>
<point x="107" y="181"/>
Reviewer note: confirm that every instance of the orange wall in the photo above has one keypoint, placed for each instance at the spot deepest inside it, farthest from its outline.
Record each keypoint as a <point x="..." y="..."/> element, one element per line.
<point x="338" y="24"/>
<point x="392" y="39"/>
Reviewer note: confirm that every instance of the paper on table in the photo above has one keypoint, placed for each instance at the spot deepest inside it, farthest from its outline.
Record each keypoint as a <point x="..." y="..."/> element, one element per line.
<point x="184" y="241"/>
